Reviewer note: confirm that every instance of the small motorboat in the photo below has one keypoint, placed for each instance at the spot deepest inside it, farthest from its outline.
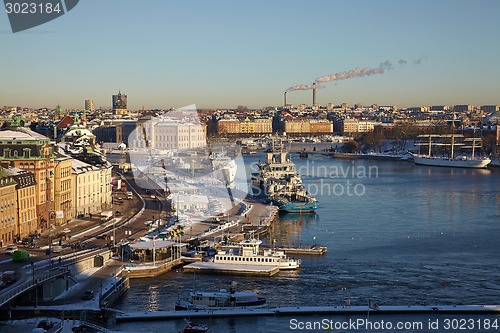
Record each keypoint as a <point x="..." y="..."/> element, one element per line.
<point x="195" y="328"/>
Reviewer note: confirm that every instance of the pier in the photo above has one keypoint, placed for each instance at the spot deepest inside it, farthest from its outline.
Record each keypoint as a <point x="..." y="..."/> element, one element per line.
<point x="311" y="310"/>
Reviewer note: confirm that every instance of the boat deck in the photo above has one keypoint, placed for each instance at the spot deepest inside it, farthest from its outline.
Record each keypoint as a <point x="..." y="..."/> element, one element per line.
<point x="232" y="269"/>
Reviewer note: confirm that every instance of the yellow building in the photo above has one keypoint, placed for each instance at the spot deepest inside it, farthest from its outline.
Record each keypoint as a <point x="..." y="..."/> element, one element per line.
<point x="257" y="126"/>
<point x="92" y="184"/>
<point x="22" y="148"/>
<point x="8" y="208"/>
<point x="26" y="202"/>
<point x="63" y="189"/>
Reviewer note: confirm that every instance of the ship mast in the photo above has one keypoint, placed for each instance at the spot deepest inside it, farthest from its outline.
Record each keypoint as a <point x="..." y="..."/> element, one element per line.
<point x="473" y="141"/>
<point x="453" y="135"/>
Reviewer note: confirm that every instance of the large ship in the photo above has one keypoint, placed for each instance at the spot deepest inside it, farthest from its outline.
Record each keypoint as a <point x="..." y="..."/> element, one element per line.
<point x="452" y="159"/>
<point x="279" y="182"/>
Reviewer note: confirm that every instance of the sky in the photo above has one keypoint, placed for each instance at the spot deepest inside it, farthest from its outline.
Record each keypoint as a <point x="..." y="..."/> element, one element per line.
<point x="165" y="54"/>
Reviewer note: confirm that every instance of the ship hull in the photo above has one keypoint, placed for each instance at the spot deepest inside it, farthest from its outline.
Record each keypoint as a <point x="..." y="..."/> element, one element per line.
<point x="466" y="163"/>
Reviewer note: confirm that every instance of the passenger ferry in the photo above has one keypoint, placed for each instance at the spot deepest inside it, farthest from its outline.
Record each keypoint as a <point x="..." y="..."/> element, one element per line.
<point x="248" y="253"/>
<point x="222" y="299"/>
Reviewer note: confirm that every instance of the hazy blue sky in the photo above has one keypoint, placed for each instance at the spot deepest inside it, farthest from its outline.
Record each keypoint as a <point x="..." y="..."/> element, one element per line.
<point x="225" y="53"/>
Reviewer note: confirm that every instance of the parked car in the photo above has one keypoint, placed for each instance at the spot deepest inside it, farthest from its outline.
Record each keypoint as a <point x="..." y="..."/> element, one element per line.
<point x="88" y="294"/>
<point x="9" y="277"/>
<point x="118" y="213"/>
<point x="10" y="249"/>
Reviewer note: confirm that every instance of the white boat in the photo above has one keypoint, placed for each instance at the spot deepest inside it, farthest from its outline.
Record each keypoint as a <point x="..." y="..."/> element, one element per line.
<point x="248" y="253"/>
<point x="223" y="166"/>
<point x="222" y="299"/>
<point x="461" y="161"/>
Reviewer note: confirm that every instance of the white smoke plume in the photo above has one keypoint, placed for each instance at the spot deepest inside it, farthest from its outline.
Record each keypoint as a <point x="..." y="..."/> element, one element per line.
<point x="357" y="72"/>
<point x="309" y="86"/>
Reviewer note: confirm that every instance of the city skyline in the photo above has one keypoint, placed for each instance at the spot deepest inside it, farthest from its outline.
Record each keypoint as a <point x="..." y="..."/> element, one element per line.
<point x="224" y="54"/>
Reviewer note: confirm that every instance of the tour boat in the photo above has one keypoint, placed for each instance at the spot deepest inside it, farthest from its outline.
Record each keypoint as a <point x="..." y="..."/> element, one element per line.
<point x="222" y="299"/>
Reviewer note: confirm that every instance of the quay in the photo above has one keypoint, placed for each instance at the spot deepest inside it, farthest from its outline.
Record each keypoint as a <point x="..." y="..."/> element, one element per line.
<point x="311" y="310"/>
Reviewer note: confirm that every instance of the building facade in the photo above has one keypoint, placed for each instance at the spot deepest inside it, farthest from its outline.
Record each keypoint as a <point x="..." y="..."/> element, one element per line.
<point x="8" y="208"/>
<point x="26" y="202"/>
<point x="27" y="150"/>
<point x="63" y="190"/>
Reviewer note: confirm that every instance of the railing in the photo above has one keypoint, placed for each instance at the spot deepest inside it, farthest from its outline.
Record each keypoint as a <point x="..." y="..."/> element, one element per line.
<point x="55" y="268"/>
<point x="117" y="287"/>
<point x="17" y="290"/>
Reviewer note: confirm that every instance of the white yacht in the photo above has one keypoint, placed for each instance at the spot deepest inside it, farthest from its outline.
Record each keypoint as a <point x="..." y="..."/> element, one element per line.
<point x="248" y="253"/>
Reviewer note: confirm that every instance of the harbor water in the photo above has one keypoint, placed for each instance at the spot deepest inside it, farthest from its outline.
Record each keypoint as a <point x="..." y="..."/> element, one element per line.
<point x="397" y="234"/>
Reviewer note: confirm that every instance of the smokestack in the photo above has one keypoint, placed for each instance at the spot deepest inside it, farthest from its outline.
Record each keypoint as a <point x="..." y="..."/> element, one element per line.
<point x="284" y="96"/>
<point x="314" y="93"/>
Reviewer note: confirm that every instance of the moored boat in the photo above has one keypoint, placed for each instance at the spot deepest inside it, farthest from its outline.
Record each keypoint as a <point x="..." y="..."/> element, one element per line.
<point x="222" y="299"/>
<point x="460" y="161"/>
<point x="247" y="252"/>
<point x="279" y="182"/>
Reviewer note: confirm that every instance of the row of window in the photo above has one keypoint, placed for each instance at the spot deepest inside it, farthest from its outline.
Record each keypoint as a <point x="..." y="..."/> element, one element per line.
<point x="236" y="258"/>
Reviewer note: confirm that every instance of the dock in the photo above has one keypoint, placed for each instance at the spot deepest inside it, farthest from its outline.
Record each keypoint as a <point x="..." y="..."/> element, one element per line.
<point x="233" y="269"/>
<point x="311" y="310"/>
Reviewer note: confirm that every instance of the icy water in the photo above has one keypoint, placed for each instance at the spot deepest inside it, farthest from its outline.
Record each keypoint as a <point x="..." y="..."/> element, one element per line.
<point x="397" y="233"/>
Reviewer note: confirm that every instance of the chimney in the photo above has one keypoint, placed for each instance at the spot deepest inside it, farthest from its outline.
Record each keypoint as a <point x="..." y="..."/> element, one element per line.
<point x="314" y="93"/>
<point x="284" y="96"/>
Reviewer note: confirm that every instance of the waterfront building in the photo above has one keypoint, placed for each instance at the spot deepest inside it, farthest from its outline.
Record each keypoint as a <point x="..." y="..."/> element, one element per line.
<point x="25" y="149"/>
<point x="25" y="201"/>
<point x="256" y="126"/>
<point x="169" y="135"/>
<point x="228" y="126"/>
<point x="8" y="208"/>
<point x="350" y="126"/>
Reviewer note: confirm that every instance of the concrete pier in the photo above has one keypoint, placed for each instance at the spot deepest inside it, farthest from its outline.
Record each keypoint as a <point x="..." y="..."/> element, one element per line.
<point x="311" y="310"/>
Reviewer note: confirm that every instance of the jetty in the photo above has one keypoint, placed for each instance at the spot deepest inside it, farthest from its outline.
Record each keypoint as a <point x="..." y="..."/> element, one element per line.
<point x="311" y="310"/>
